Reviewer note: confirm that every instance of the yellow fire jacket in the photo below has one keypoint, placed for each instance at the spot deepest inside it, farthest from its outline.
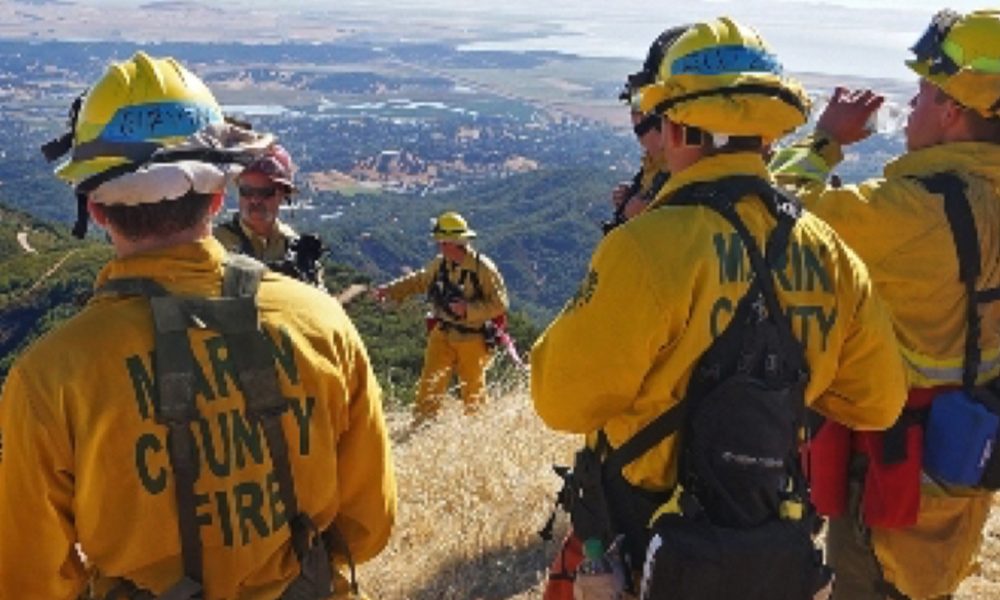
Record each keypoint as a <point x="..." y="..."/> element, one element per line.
<point x="662" y="286"/>
<point x="85" y="462"/>
<point x="492" y="303"/>
<point x="901" y="232"/>
<point x="266" y="249"/>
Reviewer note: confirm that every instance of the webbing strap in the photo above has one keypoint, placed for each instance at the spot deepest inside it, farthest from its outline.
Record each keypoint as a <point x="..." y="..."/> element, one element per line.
<point x="988" y="295"/>
<point x="656" y="430"/>
<point x="780" y="93"/>
<point x="174" y="407"/>
<point x="242" y="276"/>
<point x="659" y="180"/>
<point x="963" y="231"/>
<point x="721" y="196"/>
<point x="175" y="368"/>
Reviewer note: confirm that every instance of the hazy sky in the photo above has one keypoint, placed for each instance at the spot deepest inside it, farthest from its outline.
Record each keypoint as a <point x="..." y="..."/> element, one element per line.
<point x="856" y="37"/>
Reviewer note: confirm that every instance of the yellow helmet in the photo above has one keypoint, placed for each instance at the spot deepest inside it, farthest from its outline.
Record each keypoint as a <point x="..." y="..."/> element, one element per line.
<point x="451" y="227"/>
<point x="138" y="106"/>
<point x="720" y="76"/>
<point x="961" y="55"/>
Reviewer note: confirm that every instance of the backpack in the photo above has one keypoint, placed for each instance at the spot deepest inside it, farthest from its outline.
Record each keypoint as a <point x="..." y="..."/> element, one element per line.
<point x="442" y="291"/>
<point x="738" y="522"/>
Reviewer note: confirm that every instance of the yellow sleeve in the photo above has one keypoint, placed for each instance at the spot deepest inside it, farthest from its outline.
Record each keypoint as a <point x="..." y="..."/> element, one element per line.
<point x="858" y="213"/>
<point x="37" y="536"/>
<point x="494" y="301"/>
<point x="869" y="388"/>
<point x="807" y="161"/>
<point x="588" y="366"/>
<point x="413" y="284"/>
<point x="365" y="474"/>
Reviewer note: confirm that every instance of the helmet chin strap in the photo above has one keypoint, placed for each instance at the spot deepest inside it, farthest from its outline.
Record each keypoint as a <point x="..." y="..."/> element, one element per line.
<point x="82" y="216"/>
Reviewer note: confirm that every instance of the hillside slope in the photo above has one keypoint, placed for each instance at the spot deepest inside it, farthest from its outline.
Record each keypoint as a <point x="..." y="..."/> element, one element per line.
<point x="473" y="491"/>
<point x="44" y="275"/>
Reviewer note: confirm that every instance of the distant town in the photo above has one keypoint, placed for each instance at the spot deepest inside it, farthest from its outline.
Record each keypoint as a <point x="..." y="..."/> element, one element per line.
<point x="356" y="119"/>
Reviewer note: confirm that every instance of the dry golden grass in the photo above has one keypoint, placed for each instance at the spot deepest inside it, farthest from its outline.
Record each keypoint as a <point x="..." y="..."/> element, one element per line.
<point x="473" y="492"/>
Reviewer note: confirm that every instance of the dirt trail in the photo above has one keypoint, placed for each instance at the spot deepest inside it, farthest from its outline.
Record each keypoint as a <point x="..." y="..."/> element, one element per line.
<point x="22" y="239"/>
<point x="48" y="273"/>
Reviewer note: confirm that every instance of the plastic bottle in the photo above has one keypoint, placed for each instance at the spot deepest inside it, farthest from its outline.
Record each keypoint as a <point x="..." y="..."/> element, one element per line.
<point x="889" y="119"/>
<point x="597" y="577"/>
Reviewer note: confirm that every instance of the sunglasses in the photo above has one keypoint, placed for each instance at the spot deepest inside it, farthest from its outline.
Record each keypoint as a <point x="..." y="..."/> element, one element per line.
<point x="247" y="191"/>
<point x="647" y="124"/>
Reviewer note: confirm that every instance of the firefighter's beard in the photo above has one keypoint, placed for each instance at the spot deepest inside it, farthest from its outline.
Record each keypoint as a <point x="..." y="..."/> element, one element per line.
<point x="260" y="216"/>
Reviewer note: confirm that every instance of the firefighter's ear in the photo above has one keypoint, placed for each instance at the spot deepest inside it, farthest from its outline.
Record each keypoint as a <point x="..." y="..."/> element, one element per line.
<point x="97" y="213"/>
<point x="216" y="204"/>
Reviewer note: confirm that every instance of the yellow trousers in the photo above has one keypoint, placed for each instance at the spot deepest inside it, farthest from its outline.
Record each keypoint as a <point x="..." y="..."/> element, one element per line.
<point x="464" y="355"/>
<point x="926" y="561"/>
<point x="930" y="559"/>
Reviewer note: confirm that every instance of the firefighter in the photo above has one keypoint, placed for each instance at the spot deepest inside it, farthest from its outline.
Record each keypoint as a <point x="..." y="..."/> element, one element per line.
<point x="906" y="533"/>
<point x="663" y="286"/>
<point x="629" y="199"/>
<point x="467" y="296"/>
<point x="257" y="231"/>
<point x="203" y="425"/>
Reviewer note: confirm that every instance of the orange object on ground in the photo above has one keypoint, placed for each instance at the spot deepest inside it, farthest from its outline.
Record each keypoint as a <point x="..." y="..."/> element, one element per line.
<point x="563" y="569"/>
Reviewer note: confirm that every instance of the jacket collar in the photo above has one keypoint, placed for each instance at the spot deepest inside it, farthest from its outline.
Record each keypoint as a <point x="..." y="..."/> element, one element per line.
<point x="712" y="168"/>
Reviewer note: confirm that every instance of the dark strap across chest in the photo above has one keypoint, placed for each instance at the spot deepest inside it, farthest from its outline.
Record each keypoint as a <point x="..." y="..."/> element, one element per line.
<point x="235" y="317"/>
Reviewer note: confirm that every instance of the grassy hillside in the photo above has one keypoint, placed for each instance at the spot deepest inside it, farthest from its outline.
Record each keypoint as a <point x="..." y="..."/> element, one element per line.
<point x="539" y="228"/>
<point x="473" y="492"/>
<point x="45" y="275"/>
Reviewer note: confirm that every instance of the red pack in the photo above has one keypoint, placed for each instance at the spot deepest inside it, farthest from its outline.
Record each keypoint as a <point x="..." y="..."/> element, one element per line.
<point x="891" y="497"/>
<point x="895" y="461"/>
<point x="563" y="570"/>
<point x="825" y="462"/>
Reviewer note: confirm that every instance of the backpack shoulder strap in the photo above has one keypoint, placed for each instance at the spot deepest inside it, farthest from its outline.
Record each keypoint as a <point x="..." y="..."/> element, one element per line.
<point x="963" y="231"/>
<point x="242" y="276"/>
<point x="477" y="286"/>
<point x="659" y="180"/>
<point x="175" y="407"/>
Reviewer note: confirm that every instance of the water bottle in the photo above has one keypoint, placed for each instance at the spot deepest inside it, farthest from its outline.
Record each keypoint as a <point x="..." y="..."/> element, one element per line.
<point x="599" y="576"/>
<point x="890" y="118"/>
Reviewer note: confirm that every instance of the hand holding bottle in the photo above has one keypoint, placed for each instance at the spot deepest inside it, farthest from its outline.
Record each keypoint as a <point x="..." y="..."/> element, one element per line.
<point x="846" y="117"/>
